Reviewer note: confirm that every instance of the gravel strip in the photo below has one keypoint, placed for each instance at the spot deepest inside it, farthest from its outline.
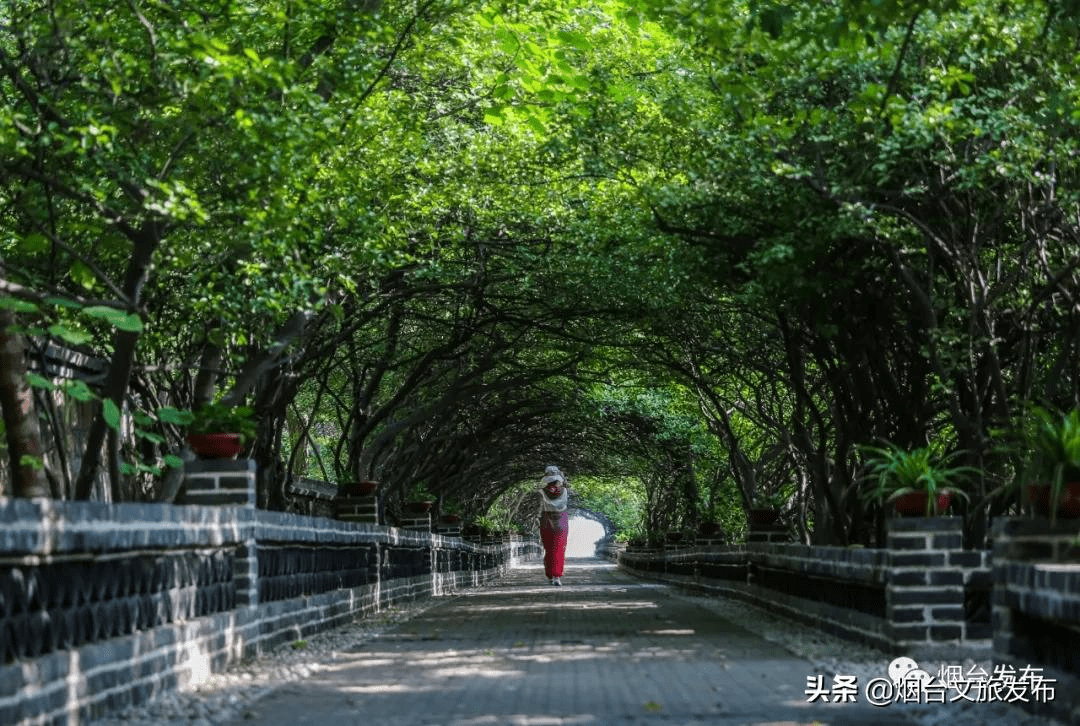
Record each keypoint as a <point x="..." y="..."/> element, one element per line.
<point x="226" y="696"/>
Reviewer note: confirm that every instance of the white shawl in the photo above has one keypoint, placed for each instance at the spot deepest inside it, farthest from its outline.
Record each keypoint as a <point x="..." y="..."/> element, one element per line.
<point x="559" y="503"/>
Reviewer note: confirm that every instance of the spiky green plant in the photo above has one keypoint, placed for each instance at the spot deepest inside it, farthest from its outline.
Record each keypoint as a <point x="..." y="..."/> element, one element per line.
<point x="893" y="471"/>
<point x="1053" y="442"/>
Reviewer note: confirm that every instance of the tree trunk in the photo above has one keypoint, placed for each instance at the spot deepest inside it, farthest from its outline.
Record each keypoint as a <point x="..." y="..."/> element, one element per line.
<point x="20" y="418"/>
<point x="206" y="378"/>
<point x="123" y="361"/>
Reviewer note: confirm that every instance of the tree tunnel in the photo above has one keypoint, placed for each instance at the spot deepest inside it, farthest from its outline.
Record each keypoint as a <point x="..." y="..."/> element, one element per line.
<point x="421" y="256"/>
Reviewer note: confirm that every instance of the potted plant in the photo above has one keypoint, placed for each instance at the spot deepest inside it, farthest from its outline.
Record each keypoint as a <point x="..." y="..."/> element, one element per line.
<point x="1052" y="471"/>
<point x="710" y="528"/>
<point x="418" y="499"/>
<point x="713" y="513"/>
<point x="450" y="512"/>
<point x="218" y="431"/>
<point x="766" y="507"/>
<point x="918" y="482"/>
<point x="675" y="536"/>
<point x="485" y="525"/>
<point x="362" y="488"/>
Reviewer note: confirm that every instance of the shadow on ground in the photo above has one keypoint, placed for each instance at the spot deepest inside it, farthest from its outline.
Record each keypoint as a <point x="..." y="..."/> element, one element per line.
<point x="603" y="649"/>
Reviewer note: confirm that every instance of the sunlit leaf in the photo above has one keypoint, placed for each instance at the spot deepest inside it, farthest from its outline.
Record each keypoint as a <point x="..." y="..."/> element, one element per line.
<point x="82" y="275"/>
<point x="38" y="381"/>
<point x="110" y="413"/>
<point x="70" y="335"/>
<point x="117" y="318"/>
<point x="167" y="414"/>
<point x="32" y="243"/>
<point x="16" y="305"/>
<point x="79" y="391"/>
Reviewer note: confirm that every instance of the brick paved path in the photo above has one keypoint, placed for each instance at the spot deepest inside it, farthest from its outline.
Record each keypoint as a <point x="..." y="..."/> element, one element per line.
<point x="603" y="649"/>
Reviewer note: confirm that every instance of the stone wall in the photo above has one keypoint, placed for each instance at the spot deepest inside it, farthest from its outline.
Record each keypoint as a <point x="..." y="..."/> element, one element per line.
<point x="102" y="606"/>
<point x="923" y="595"/>
<point x="1037" y="606"/>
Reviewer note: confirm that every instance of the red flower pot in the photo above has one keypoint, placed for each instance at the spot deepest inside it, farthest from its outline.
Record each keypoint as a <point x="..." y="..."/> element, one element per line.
<point x="419" y="507"/>
<point x="215" y="446"/>
<point x="359" y="488"/>
<point x="1068" y="506"/>
<point x="913" y="504"/>
<point x="764" y="516"/>
<point x="451" y="518"/>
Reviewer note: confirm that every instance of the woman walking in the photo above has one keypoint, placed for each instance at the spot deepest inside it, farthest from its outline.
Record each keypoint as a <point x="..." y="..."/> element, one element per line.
<point x="554" y="522"/>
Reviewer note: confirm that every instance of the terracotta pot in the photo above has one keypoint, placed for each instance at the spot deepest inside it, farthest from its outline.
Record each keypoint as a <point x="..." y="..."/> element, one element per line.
<point x="913" y="504"/>
<point x="215" y="446"/>
<point x="1068" y="507"/>
<point x="359" y="488"/>
<point x="451" y="518"/>
<point x="419" y="507"/>
<point x="764" y="516"/>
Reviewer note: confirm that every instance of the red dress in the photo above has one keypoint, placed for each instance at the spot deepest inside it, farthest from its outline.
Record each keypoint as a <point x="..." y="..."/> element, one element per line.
<point x="554" y="528"/>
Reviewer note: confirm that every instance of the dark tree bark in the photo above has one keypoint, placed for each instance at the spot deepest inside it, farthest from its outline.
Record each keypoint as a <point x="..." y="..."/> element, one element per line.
<point x="144" y="243"/>
<point x="20" y="417"/>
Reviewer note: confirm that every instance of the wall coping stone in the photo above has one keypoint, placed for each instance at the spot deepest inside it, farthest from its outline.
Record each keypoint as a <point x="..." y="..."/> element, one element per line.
<point x="316" y="488"/>
<point x="1033" y="527"/>
<point x="47" y="527"/>
<point x="301" y="528"/>
<point x="53" y="528"/>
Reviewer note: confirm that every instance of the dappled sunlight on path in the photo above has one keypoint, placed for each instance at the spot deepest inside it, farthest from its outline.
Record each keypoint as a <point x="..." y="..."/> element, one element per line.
<point x="604" y="648"/>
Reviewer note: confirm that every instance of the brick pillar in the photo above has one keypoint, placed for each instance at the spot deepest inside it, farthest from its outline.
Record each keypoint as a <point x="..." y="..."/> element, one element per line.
<point x="768" y="533"/>
<point x="357" y="509"/>
<point x="1037" y="577"/>
<point x="220" y="482"/>
<point x="448" y="530"/>
<point x="417" y="520"/>
<point x="1036" y="607"/>
<point x="924" y="590"/>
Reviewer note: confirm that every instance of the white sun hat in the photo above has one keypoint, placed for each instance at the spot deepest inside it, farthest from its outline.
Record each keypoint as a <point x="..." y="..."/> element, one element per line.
<point x="551" y="474"/>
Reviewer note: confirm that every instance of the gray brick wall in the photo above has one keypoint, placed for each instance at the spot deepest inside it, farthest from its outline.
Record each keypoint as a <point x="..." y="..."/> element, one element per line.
<point x="357" y="509"/>
<point x="116" y="559"/>
<point x="1036" y="605"/>
<point x="221" y="482"/>
<point x="911" y="597"/>
<point x="929" y="578"/>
